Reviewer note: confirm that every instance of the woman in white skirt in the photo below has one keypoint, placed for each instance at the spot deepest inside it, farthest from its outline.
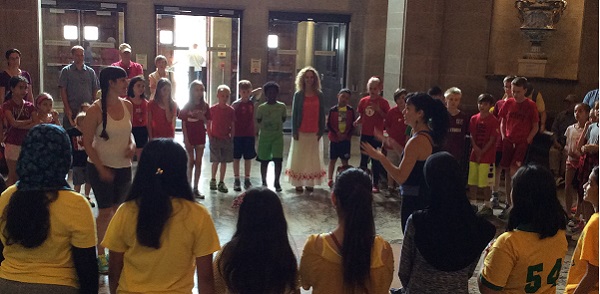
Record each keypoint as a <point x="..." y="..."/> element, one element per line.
<point x="304" y="164"/>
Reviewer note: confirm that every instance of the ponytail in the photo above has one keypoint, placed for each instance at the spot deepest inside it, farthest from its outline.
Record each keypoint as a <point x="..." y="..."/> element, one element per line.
<point x="434" y="114"/>
<point x="104" y="134"/>
<point x="354" y="200"/>
<point x="27" y="218"/>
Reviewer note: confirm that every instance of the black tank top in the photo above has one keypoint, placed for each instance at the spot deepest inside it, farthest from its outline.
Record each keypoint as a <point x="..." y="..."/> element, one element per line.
<point x="415" y="184"/>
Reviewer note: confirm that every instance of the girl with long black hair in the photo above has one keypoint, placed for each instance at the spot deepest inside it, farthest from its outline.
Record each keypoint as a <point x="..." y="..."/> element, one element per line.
<point x="351" y="258"/>
<point x="160" y="236"/>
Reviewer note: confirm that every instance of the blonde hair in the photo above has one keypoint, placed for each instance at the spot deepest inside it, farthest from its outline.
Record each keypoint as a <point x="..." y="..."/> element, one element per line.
<point x="452" y="91"/>
<point x="159" y="57"/>
<point x="300" y="79"/>
<point x="223" y="88"/>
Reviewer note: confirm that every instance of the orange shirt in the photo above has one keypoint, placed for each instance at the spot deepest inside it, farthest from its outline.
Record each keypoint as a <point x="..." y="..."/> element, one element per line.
<point x="310" y="115"/>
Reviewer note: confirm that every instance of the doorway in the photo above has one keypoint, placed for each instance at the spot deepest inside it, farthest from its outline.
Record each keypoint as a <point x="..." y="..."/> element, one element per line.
<point x="199" y="44"/>
<point x="300" y="39"/>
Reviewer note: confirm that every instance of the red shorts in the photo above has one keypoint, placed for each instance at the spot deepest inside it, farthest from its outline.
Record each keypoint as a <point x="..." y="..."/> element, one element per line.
<point x="513" y="154"/>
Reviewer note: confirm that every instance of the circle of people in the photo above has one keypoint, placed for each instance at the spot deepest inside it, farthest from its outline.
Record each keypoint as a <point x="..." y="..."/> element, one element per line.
<point x="159" y="237"/>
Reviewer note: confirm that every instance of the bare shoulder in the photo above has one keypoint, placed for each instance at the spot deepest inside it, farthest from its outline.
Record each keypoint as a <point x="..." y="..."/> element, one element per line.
<point x="419" y="145"/>
<point x="128" y="104"/>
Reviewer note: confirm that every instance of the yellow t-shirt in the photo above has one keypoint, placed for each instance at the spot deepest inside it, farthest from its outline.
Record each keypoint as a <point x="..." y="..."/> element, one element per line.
<point x="321" y="266"/>
<point x="342" y="118"/>
<point x="587" y="249"/>
<point x="189" y="233"/>
<point x="71" y="224"/>
<point x="521" y="262"/>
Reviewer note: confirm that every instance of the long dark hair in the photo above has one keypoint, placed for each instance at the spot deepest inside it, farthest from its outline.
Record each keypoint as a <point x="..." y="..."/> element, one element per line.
<point x="435" y="114"/>
<point x="535" y="203"/>
<point x="132" y="83"/>
<point x="259" y="259"/>
<point x="354" y="205"/>
<point x="161" y="175"/>
<point x="111" y="73"/>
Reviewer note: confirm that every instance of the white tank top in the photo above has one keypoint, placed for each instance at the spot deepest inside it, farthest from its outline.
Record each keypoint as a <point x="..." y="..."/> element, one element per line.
<point x="112" y="151"/>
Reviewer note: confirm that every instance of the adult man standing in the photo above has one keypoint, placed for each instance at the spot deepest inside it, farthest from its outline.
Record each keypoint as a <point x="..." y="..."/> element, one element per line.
<point x="133" y="69"/>
<point x="78" y="84"/>
<point x="196" y="63"/>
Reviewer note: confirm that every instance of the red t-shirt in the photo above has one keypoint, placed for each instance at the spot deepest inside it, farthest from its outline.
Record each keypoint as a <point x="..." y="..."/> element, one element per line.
<point x="370" y="118"/>
<point x="496" y="114"/>
<point x="135" y="69"/>
<point x="244" y="118"/>
<point x="222" y="117"/>
<point x="310" y="115"/>
<point x="161" y="128"/>
<point x="140" y="113"/>
<point x="15" y="136"/>
<point x="194" y="118"/>
<point x="518" y="119"/>
<point x="395" y="126"/>
<point x="457" y="132"/>
<point x="481" y="130"/>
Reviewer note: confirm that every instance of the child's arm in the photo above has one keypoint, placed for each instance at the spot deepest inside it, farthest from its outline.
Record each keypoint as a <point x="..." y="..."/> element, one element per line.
<point x="534" y="130"/>
<point x="358" y="120"/>
<point x="55" y="119"/>
<point x="185" y="134"/>
<point x="589" y="280"/>
<point x="149" y="124"/>
<point x="491" y="143"/>
<point x="582" y="138"/>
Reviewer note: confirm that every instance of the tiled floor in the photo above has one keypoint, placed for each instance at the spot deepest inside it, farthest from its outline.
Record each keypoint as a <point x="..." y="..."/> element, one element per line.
<point x="310" y="213"/>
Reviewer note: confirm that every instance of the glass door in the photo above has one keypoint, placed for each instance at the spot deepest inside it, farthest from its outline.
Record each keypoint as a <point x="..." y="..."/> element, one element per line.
<point x="297" y="40"/>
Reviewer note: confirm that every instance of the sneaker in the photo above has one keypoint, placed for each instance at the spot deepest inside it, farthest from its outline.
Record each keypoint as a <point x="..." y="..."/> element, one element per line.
<point x="213" y="184"/>
<point x="495" y="200"/>
<point x="103" y="264"/>
<point x="504" y="214"/>
<point x="237" y="186"/>
<point x="310" y="189"/>
<point x="330" y="183"/>
<point x="485" y="211"/>
<point x="247" y="184"/>
<point x="222" y="188"/>
<point x="298" y="189"/>
<point x="197" y="194"/>
<point x="277" y="187"/>
<point x="92" y="204"/>
<point x="577" y="228"/>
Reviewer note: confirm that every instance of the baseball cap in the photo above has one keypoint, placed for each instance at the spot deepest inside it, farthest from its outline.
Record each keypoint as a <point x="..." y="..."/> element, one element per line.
<point x="124" y="48"/>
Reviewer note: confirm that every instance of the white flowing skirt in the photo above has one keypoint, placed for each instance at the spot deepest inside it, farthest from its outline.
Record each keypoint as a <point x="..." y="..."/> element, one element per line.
<point x="304" y="164"/>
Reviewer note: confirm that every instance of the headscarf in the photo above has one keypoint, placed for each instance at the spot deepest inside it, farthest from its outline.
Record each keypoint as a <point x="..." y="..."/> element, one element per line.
<point x="45" y="159"/>
<point x="448" y="233"/>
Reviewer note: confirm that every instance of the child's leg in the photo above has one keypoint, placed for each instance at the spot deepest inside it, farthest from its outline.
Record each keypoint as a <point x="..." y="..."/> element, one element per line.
<point x="88" y="189"/>
<point x="487" y="195"/>
<point x="569" y="174"/>
<point x="344" y="162"/>
<point x="278" y="166"/>
<point x="236" y="168"/>
<point x="222" y="171"/>
<point x="191" y="159"/>
<point x="331" y="168"/>
<point x="198" y="164"/>
<point x="215" y="167"/>
<point x="364" y="159"/>
<point x="264" y="165"/>
<point x="473" y="181"/>
<point x="473" y="194"/>
<point x="77" y="188"/>
<point x="247" y="167"/>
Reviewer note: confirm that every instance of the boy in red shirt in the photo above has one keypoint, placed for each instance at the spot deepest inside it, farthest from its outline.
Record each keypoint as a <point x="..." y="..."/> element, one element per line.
<point x="396" y="131"/>
<point x="518" y="125"/>
<point x="372" y="111"/>
<point x="457" y="129"/>
<point x="220" y="131"/>
<point x="485" y="130"/>
<point x="496" y="111"/>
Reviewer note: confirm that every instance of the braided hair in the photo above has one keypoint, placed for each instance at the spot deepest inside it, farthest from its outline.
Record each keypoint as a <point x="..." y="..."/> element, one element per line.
<point x="111" y="73"/>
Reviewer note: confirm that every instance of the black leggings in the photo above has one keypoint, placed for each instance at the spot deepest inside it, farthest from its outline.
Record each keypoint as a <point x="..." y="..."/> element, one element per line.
<point x="411" y="204"/>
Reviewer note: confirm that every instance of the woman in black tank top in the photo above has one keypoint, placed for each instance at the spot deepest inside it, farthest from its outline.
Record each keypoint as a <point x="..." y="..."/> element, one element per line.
<point x="428" y="119"/>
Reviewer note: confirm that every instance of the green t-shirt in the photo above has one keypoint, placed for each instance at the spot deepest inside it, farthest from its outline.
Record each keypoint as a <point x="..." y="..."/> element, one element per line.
<point x="270" y="117"/>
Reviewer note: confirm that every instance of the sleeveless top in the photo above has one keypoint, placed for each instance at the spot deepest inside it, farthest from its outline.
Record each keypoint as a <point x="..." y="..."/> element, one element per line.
<point x="112" y="151"/>
<point x="415" y="183"/>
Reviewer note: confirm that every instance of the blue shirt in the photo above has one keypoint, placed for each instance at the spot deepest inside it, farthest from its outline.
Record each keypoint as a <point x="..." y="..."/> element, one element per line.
<point x="81" y="85"/>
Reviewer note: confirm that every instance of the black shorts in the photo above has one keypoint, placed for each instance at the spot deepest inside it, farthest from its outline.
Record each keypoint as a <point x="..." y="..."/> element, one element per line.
<point x="339" y="150"/>
<point x="498" y="157"/>
<point x="109" y="194"/>
<point x="244" y="146"/>
<point x="140" y="134"/>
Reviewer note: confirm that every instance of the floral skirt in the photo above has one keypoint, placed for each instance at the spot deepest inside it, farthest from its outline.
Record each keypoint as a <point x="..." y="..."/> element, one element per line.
<point x="304" y="163"/>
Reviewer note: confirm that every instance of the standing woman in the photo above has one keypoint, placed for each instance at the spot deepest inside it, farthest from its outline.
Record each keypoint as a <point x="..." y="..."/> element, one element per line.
<point x="13" y="59"/>
<point x="48" y="231"/>
<point x="161" y="72"/>
<point x="304" y="164"/>
<point x="109" y="145"/>
<point x="428" y="119"/>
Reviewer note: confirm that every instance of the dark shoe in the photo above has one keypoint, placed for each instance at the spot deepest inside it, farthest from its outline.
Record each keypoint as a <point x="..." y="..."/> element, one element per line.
<point x="299" y="189"/>
<point x="213" y="185"/>
<point x="247" y="184"/>
<point x="237" y="185"/>
<point x="197" y="194"/>
<point x="277" y="187"/>
<point x="309" y="189"/>
<point x="92" y="204"/>
<point x="222" y="188"/>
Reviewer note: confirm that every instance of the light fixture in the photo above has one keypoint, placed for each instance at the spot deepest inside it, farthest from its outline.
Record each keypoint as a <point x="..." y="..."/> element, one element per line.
<point x="165" y="37"/>
<point x="70" y="32"/>
<point x="90" y="33"/>
<point x="273" y="41"/>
